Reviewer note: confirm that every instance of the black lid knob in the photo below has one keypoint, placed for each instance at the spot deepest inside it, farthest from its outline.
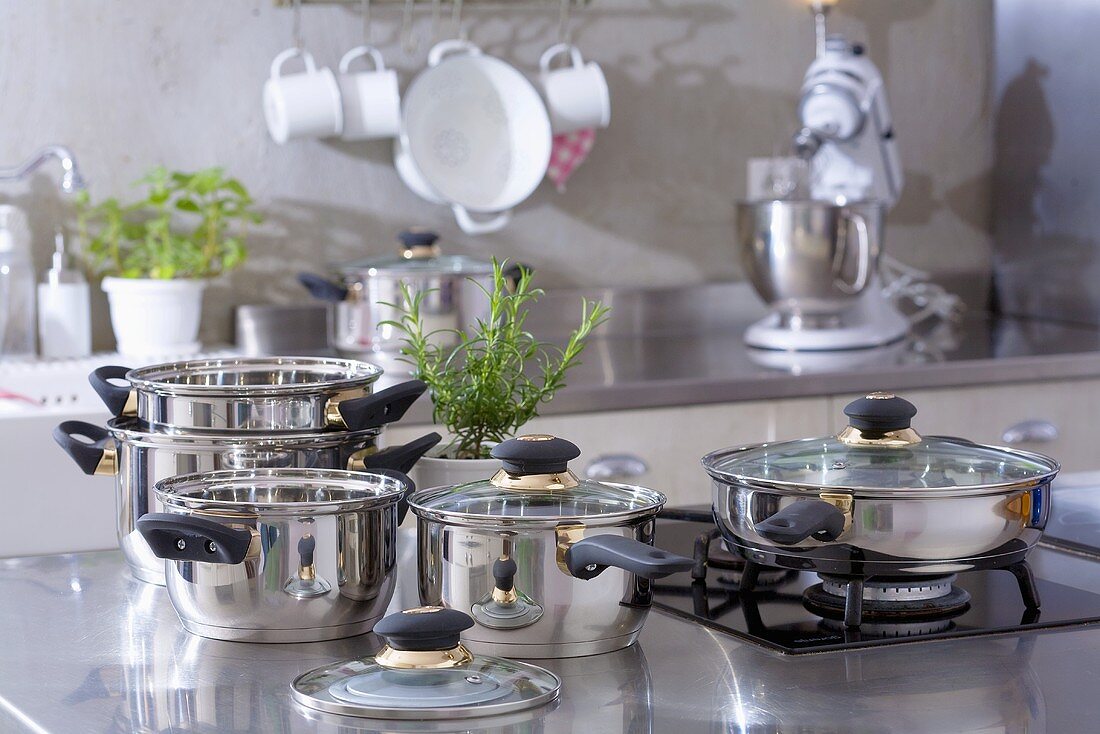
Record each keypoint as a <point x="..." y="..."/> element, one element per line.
<point x="411" y="238"/>
<point x="504" y="573"/>
<point x="880" y="412"/>
<point x="424" y="628"/>
<point x="535" y="454"/>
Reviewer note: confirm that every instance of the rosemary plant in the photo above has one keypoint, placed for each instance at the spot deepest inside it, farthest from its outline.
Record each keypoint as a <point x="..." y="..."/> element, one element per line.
<point x="487" y="382"/>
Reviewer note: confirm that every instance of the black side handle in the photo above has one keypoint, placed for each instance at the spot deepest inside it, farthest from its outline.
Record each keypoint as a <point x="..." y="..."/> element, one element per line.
<point x="801" y="520"/>
<point x="410" y="486"/>
<point x="322" y="289"/>
<point x="401" y="458"/>
<point x="191" y="538"/>
<point x="424" y="628"/>
<point x="382" y="407"/>
<point x="504" y="573"/>
<point x="588" y="558"/>
<point x="113" y="396"/>
<point x="86" y="455"/>
<point x="535" y="454"/>
<point x="880" y="412"/>
<point x="306" y="546"/>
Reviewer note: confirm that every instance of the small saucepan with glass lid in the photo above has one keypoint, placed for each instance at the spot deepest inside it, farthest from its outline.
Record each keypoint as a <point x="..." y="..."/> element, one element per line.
<point x="879" y="499"/>
<point x="547" y="565"/>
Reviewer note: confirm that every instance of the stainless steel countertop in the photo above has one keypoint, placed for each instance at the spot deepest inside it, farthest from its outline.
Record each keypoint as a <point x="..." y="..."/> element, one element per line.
<point x="86" y="649"/>
<point x="683" y="346"/>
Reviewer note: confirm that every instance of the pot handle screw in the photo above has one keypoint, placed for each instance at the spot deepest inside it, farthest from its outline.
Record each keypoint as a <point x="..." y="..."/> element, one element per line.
<point x="800" y="520"/>
<point x="192" y="538"/>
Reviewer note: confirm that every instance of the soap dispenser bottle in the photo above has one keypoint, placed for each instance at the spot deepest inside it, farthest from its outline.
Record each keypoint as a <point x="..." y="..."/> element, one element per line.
<point x="16" y="284"/>
<point x="64" y="318"/>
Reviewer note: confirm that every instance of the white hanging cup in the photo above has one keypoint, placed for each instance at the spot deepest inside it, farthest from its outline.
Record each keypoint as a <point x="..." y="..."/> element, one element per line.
<point x="371" y="99"/>
<point x="577" y="96"/>
<point x="302" y="105"/>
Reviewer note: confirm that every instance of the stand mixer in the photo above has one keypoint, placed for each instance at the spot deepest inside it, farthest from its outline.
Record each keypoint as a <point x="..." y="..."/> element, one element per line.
<point x="815" y="259"/>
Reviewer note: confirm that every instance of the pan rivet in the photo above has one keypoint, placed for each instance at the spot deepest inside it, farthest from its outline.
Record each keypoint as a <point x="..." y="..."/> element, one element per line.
<point x="181" y="544"/>
<point x="475" y="679"/>
<point x="210" y="547"/>
<point x="839" y="465"/>
<point x="590" y="567"/>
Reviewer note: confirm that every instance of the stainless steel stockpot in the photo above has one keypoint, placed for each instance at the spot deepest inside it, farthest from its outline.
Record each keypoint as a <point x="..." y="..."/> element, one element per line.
<point x="139" y="458"/>
<point x="546" y="564"/>
<point x="879" y="499"/>
<point x="364" y="293"/>
<point x="278" y="555"/>
<point x="254" y="394"/>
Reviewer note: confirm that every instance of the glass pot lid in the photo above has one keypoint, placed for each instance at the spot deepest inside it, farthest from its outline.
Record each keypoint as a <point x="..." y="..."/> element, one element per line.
<point x="418" y="255"/>
<point x="534" y="483"/>
<point x="879" y="452"/>
<point x="424" y="672"/>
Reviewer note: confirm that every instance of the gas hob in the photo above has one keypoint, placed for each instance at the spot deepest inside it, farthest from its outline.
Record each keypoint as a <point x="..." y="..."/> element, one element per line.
<point x="795" y="612"/>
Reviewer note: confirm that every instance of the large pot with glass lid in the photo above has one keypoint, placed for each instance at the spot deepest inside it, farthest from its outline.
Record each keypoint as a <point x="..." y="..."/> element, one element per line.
<point x="254" y="394"/>
<point x="365" y="293"/>
<point x="547" y="565"/>
<point x="278" y="555"/>
<point x="879" y="499"/>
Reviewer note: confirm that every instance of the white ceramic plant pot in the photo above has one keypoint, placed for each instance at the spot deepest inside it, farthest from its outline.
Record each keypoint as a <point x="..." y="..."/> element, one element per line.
<point x="153" y="317"/>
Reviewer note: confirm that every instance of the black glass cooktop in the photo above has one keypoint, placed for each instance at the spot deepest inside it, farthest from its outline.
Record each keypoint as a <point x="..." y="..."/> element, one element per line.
<point x="775" y="616"/>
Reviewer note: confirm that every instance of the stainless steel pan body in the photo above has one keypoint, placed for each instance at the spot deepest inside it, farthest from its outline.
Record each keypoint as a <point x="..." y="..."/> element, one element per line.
<point x="278" y="555"/>
<point x="139" y="459"/>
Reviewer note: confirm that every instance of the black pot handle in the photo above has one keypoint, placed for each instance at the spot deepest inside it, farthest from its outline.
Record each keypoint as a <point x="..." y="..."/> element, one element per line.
<point x="322" y="289"/>
<point x="86" y="455"/>
<point x="423" y="629"/>
<point x="588" y="558"/>
<point x="400" y="458"/>
<point x="190" y="538"/>
<point x="380" y="408"/>
<point x="803" y="519"/>
<point x="113" y="396"/>
<point x="403" y="503"/>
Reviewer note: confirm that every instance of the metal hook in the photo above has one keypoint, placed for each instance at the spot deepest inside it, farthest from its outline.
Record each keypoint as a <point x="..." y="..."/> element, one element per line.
<point x="565" y="33"/>
<point x="409" y="43"/>
<point x="366" y="22"/>
<point x="456" y="19"/>
<point x="299" y="41"/>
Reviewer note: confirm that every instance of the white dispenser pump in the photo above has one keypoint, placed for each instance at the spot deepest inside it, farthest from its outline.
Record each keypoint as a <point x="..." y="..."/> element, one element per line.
<point x="64" y="321"/>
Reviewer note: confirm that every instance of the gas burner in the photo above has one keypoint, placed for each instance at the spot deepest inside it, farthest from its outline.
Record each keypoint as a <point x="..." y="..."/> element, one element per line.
<point x="890" y="599"/>
<point x="890" y="630"/>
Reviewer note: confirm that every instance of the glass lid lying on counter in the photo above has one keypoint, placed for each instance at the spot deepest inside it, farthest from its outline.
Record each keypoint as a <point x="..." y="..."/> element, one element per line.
<point x="424" y="672"/>
<point x="879" y="450"/>
<point x="419" y="254"/>
<point x="534" y="482"/>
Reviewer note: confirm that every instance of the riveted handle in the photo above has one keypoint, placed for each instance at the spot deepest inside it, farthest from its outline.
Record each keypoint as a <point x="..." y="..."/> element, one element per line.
<point x="115" y="397"/>
<point x="88" y="454"/>
<point x="588" y="558"/>
<point x="402" y="458"/>
<point x="880" y="412"/>
<point x="535" y="454"/>
<point x="322" y="289"/>
<point x="380" y="408"/>
<point x="192" y="538"/>
<point x="800" y="520"/>
<point x="424" y="628"/>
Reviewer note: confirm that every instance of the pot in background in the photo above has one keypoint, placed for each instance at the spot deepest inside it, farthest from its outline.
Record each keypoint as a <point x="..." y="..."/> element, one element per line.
<point x="278" y="555"/>
<point x="139" y="458"/>
<point x="152" y="317"/>
<point x="809" y="259"/>
<point x="453" y="290"/>
<point x="546" y="564"/>
<point x="879" y="499"/>
<point x="254" y="394"/>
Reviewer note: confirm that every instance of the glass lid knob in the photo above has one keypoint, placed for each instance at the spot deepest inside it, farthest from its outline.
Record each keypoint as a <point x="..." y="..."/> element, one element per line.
<point x="418" y="244"/>
<point x="424" y="638"/>
<point x="535" y="454"/>
<point x="881" y="412"/>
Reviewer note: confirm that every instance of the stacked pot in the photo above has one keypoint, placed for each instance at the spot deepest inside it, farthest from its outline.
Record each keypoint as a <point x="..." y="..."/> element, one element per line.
<point x="234" y="414"/>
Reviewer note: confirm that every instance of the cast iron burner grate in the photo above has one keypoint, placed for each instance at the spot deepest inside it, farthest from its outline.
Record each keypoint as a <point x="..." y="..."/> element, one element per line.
<point x="771" y="607"/>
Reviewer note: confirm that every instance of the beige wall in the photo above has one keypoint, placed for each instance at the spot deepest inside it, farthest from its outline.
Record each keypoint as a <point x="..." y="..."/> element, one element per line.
<point x="698" y="86"/>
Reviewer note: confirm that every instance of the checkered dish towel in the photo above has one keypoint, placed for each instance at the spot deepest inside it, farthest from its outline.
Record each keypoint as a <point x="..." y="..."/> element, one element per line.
<point x="567" y="153"/>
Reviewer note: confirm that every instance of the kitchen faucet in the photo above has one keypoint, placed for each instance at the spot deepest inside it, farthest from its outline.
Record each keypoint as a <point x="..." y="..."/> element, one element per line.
<point x="71" y="180"/>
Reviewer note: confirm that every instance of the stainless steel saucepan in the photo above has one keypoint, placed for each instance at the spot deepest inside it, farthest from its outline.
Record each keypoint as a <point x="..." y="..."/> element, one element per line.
<point x="257" y="394"/>
<point x="881" y="500"/>
<point x="278" y="555"/>
<point x="139" y="458"/>
<point x="547" y="565"/>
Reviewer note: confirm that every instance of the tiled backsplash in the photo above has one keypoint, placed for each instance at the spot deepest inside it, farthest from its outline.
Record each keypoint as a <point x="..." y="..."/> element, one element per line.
<point x="697" y="87"/>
